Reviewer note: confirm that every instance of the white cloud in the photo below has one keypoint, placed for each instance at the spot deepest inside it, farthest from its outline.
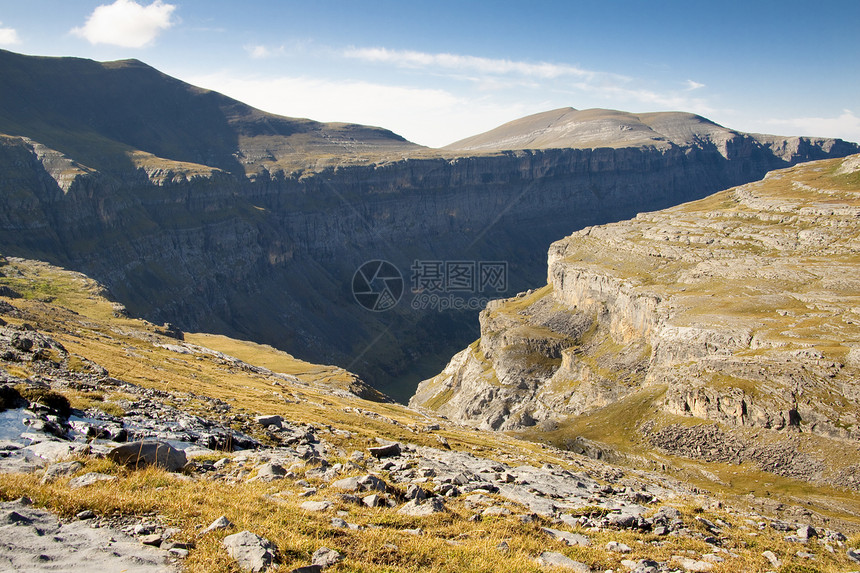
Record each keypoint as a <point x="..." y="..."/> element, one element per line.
<point x="9" y="36"/>
<point x="410" y="59"/>
<point x="433" y="117"/>
<point x="691" y="85"/>
<point x="259" y="52"/>
<point x="126" y="23"/>
<point x="845" y="126"/>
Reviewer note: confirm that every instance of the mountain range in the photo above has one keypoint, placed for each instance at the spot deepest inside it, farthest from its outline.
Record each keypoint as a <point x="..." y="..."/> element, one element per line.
<point x="195" y="209"/>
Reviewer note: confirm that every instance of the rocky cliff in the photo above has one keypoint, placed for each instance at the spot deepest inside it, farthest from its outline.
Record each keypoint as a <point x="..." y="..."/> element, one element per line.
<point x="741" y="308"/>
<point x="196" y="209"/>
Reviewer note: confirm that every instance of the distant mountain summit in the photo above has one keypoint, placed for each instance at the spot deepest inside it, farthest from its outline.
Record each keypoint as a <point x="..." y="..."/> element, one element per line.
<point x="99" y="112"/>
<point x="598" y="128"/>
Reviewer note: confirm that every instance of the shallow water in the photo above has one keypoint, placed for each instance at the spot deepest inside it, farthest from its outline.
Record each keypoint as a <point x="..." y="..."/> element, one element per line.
<point x="12" y="425"/>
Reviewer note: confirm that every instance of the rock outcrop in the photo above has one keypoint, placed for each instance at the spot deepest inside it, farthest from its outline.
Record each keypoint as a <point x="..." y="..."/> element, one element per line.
<point x="741" y="308"/>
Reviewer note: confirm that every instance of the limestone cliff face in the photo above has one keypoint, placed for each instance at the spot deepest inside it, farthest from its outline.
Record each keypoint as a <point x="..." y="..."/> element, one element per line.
<point x="742" y="308"/>
<point x="260" y="257"/>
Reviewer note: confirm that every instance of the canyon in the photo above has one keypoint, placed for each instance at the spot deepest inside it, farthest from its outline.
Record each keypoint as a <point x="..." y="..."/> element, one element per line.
<point x="194" y="209"/>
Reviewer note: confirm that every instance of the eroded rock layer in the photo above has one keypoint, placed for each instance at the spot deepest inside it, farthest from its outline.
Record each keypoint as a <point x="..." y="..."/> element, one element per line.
<point x="742" y="308"/>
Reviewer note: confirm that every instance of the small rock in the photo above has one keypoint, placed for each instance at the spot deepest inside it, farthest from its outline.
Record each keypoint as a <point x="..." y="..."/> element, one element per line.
<point x="771" y="556"/>
<point x="179" y="552"/>
<point x="220" y="523"/>
<point x="568" y="537"/>
<point x="806" y="532"/>
<point x="373" y="500"/>
<point x="339" y="523"/>
<point x="419" y="508"/>
<point x="153" y="539"/>
<point x="693" y="565"/>
<point x="271" y="472"/>
<point x="371" y="482"/>
<point x="89" y="479"/>
<point x="250" y="551"/>
<point x="415" y="492"/>
<point x="853" y="555"/>
<point x="56" y="471"/>
<point x="316" y="505"/>
<point x="643" y="566"/>
<point x="86" y="514"/>
<point x="325" y="557"/>
<point x="307" y="569"/>
<point x="617" y="547"/>
<point x="143" y="529"/>
<point x="553" y="559"/>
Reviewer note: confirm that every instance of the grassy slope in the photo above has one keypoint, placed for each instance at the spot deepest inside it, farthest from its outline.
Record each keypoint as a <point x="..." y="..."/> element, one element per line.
<point x="130" y="349"/>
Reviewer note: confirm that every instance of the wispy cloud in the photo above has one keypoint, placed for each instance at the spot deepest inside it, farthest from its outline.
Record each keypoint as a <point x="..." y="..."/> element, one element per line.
<point x="461" y="63"/>
<point x="126" y="23"/>
<point x="258" y="52"/>
<point x="9" y="36"/>
<point x="845" y="126"/>
<point x="499" y="75"/>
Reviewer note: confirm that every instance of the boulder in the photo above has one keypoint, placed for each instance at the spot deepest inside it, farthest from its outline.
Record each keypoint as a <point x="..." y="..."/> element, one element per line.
<point x="89" y="479"/>
<point x="566" y="536"/>
<point x="149" y="453"/>
<point x="273" y="420"/>
<point x="250" y="551"/>
<point x="56" y="471"/>
<point x="553" y="559"/>
<point x="386" y="451"/>
<point x="271" y="472"/>
<point x="617" y="547"/>
<point x="420" y="508"/>
<point x="325" y="557"/>
<point x="316" y="505"/>
<point x="363" y="483"/>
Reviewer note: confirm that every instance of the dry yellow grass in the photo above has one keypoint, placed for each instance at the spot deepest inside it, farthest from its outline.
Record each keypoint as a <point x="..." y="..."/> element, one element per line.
<point x="135" y="351"/>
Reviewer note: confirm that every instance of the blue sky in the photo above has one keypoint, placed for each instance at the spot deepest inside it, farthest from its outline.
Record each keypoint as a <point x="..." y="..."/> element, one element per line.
<point x="439" y="71"/>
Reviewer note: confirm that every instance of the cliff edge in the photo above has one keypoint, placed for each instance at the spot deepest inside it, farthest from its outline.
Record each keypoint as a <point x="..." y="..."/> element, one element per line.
<point x="741" y="309"/>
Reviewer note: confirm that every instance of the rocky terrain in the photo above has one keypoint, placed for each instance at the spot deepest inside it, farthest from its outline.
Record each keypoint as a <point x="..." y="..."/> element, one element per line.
<point x="127" y="447"/>
<point x="739" y="310"/>
<point x="196" y="209"/>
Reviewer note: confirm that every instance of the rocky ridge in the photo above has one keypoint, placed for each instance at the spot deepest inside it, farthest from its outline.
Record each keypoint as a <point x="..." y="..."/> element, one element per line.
<point x="740" y="309"/>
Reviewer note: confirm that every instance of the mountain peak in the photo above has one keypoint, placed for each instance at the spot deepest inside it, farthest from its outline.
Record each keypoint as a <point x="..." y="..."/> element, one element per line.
<point x="589" y="128"/>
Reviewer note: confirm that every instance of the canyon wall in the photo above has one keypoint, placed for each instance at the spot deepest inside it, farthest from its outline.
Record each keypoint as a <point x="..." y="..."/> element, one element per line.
<point x="270" y="257"/>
